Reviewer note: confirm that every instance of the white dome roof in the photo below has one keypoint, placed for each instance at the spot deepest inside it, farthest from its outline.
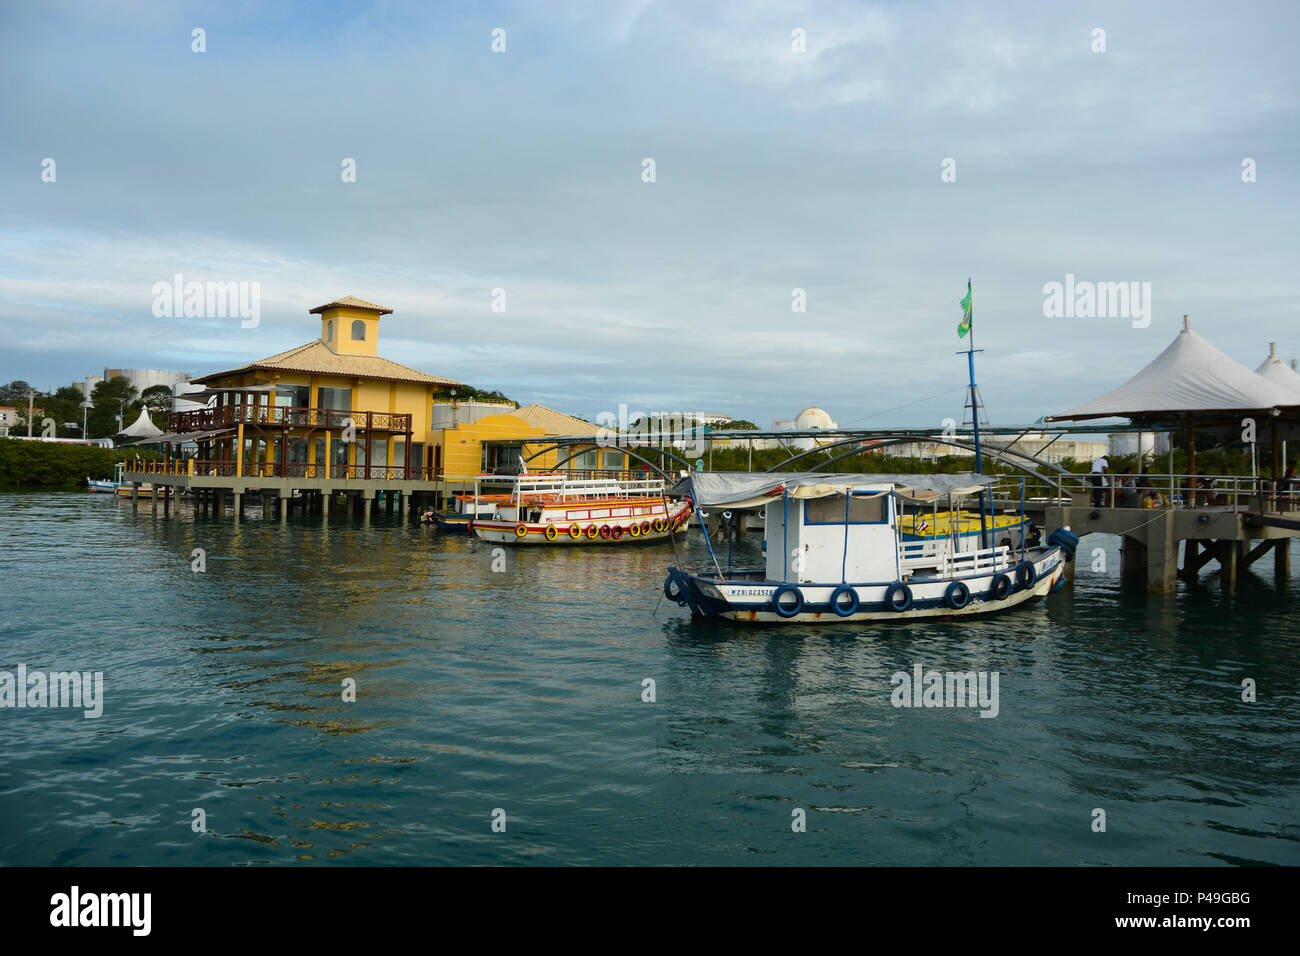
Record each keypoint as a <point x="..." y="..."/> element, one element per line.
<point x="813" y="417"/>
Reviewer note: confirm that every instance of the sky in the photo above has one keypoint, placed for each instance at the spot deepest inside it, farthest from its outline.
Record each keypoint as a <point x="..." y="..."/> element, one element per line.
<point x="775" y="168"/>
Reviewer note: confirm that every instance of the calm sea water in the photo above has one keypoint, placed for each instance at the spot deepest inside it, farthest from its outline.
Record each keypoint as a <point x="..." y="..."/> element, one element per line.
<point x="522" y="690"/>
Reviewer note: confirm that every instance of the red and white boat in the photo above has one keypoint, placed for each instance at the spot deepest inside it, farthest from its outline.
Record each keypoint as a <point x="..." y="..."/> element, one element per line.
<point x="558" y="510"/>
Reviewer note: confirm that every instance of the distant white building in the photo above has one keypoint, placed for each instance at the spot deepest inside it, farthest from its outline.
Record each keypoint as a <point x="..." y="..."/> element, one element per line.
<point x="140" y="379"/>
<point x="810" y="419"/>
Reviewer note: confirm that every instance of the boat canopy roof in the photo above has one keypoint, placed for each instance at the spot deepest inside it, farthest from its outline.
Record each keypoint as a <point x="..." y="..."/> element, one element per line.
<point x="740" y="489"/>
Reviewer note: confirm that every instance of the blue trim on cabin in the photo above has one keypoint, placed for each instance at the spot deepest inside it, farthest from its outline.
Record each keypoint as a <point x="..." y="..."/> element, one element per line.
<point x="889" y="510"/>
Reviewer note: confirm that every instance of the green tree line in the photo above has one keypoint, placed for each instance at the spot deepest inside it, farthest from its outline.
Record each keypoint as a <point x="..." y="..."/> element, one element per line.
<point x="109" y="398"/>
<point x="57" y="467"/>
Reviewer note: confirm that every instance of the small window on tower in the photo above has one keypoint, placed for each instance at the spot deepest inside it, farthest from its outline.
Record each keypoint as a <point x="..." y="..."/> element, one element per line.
<point x="329" y="330"/>
<point x="358" y="331"/>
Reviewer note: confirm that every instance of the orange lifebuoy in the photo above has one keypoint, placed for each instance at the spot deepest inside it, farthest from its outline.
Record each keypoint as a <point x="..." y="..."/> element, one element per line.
<point x="616" y="532"/>
<point x="604" y="531"/>
<point x="591" y="532"/>
<point x="645" y="527"/>
<point x="575" y="531"/>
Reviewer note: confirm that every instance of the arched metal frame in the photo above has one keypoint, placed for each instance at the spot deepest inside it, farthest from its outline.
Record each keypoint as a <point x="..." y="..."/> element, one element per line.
<point x="548" y="446"/>
<point x="1004" y="455"/>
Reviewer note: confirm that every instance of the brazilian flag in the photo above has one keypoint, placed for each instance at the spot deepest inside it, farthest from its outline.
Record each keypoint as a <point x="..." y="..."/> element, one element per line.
<point x="965" y="316"/>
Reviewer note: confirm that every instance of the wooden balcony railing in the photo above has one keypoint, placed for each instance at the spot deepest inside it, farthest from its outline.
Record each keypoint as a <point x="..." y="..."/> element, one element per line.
<point x="225" y="468"/>
<point x="227" y="416"/>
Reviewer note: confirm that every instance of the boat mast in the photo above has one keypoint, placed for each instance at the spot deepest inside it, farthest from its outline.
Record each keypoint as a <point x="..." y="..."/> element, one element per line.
<point x="975" y="410"/>
<point x="974" y="389"/>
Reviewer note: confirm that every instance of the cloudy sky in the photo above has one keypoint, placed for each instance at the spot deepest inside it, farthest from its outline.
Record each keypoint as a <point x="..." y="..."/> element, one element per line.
<point x="775" y="169"/>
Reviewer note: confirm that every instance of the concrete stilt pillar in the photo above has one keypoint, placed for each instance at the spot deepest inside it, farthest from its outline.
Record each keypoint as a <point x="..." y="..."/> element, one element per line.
<point x="401" y="505"/>
<point x="367" y="502"/>
<point x="135" y="495"/>
<point x="286" y="502"/>
<point x="1191" y="550"/>
<point x="1132" y="562"/>
<point x="1161" y="555"/>
<point x="153" y="501"/>
<point x="325" y="504"/>
<point x="1229" y="562"/>
<point x="238" y="505"/>
<point x="1282" y="560"/>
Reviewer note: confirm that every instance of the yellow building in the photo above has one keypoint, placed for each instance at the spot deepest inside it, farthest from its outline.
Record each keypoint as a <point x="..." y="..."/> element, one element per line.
<point x="334" y="417"/>
<point x="500" y="443"/>
<point x="331" y="408"/>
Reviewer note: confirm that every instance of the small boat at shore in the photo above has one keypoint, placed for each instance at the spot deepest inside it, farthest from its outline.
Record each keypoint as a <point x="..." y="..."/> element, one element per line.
<point x="116" y="486"/>
<point x="837" y="551"/>
<point x="466" y="507"/>
<point x="558" y="510"/>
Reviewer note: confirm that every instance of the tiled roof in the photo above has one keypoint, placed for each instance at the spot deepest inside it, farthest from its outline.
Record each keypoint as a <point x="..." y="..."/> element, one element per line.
<point x="553" y="422"/>
<point x="350" y="302"/>
<point x="316" y="357"/>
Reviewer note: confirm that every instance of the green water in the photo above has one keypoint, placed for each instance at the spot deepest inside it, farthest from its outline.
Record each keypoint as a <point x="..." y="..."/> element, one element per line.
<point x="521" y="690"/>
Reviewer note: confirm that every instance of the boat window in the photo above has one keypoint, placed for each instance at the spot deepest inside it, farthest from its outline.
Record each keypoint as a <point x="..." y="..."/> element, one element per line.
<point x="863" y="509"/>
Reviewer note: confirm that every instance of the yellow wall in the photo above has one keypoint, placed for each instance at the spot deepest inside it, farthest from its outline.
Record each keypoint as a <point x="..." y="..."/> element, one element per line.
<point x="462" y="447"/>
<point x="339" y="336"/>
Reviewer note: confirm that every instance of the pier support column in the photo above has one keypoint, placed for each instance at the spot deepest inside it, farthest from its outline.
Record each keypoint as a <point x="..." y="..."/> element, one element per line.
<point x="1132" y="562"/>
<point x="367" y="502"/>
<point x="401" y="505"/>
<point x="167" y="503"/>
<point x="1282" y="560"/>
<point x="324" y="504"/>
<point x="135" y="495"/>
<point x="286" y="502"/>
<point x="238" y="505"/>
<point x="1191" y="552"/>
<point x="1229" y="555"/>
<point x="1161" y="556"/>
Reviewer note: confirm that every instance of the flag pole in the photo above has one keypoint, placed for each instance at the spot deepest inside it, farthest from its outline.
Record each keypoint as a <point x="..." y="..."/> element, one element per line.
<point x="975" y="412"/>
<point x="974" y="395"/>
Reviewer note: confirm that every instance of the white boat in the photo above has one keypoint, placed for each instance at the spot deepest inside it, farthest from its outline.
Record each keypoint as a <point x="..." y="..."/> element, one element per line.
<point x="559" y="510"/>
<point x="119" y="487"/>
<point x="836" y="551"/>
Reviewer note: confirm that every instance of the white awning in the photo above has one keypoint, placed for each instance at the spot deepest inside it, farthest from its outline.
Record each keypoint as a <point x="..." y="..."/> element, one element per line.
<point x="1280" y="374"/>
<point x="748" y="490"/>
<point x="142" y="427"/>
<point x="1191" y="375"/>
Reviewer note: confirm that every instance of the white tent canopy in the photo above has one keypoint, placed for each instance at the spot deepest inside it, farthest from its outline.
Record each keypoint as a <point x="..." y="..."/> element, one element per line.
<point x="1279" y="373"/>
<point x="749" y="490"/>
<point x="142" y="427"/>
<point x="1191" y="375"/>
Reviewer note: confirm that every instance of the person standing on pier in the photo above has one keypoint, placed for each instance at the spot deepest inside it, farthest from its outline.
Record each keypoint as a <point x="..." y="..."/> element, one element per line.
<point x="1099" y="467"/>
<point x="1128" y="496"/>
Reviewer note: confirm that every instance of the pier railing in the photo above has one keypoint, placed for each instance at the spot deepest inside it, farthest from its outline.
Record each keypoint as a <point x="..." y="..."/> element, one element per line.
<point x="226" y="416"/>
<point x="227" y="468"/>
<point x="1236" y="493"/>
